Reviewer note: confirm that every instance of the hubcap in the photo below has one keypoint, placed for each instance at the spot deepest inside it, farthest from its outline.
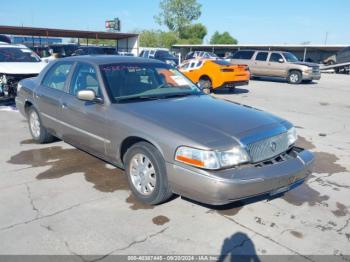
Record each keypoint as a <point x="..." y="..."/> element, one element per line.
<point x="143" y="174"/>
<point x="34" y="124"/>
<point x="294" y="78"/>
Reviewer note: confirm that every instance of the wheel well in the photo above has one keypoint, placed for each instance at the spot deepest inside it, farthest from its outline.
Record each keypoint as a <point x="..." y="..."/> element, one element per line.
<point x="129" y="142"/>
<point x="297" y="70"/>
<point x="27" y="105"/>
<point x="205" y="77"/>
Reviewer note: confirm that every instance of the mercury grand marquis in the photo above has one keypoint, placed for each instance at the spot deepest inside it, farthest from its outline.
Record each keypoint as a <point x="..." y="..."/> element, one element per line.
<point x="147" y="118"/>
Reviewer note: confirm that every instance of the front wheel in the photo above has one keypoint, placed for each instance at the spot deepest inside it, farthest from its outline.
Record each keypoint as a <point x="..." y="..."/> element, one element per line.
<point x="37" y="130"/>
<point x="146" y="173"/>
<point x="295" y="77"/>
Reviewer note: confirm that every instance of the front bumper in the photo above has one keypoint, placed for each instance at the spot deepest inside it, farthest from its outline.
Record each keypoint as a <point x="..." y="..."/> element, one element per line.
<point x="311" y="76"/>
<point x="225" y="186"/>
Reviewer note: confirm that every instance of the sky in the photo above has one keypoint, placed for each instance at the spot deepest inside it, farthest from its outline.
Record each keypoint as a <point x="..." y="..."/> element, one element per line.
<point x="249" y="21"/>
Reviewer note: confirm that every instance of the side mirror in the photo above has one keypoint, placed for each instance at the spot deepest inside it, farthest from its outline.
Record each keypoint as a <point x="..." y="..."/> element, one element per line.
<point x="280" y="61"/>
<point x="86" y="95"/>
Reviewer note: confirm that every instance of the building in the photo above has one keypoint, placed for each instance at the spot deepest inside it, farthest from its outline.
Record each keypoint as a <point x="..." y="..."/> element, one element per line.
<point x="311" y="53"/>
<point x="125" y="42"/>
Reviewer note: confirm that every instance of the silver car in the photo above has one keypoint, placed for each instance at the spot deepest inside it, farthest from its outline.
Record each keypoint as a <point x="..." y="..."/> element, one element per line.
<point x="146" y="117"/>
<point x="277" y="64"/>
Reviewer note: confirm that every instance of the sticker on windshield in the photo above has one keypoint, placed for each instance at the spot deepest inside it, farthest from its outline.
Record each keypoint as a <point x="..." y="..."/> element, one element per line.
<point x="179" y="80"/>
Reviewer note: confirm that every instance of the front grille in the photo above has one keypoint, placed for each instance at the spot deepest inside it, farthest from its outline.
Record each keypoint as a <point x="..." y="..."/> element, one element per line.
<point x="315" y="69"/>
<point x="268" y="148"/>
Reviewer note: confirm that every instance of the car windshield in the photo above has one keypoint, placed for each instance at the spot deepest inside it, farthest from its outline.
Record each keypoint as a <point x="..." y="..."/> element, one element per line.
<point x="142" y="81"/>
<point x="9" y="54"/>
<point x="290" y="57"/>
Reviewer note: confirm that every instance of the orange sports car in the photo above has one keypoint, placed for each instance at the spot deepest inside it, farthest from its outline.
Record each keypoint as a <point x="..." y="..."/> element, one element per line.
<point x="215" y="73"/>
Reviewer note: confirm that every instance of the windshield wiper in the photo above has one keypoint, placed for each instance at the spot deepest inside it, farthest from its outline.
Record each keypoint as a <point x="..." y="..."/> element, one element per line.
<point x="137" y="98"/>
<point x="177" y="95"/>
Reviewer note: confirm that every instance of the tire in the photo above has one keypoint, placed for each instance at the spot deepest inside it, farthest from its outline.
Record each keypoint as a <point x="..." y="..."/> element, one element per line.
<point x="148" y="183"/>
<point x="307" y="81"/>
<point x="295" y="77"/>
<point x="37" y="130"/>
<point x="205" y="82"/>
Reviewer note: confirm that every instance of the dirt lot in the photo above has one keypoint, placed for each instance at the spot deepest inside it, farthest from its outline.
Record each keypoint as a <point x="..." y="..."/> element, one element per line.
<point x="55" y="199"/>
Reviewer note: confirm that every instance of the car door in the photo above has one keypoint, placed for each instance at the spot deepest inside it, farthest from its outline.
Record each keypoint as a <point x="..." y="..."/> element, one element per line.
<point x="276" y="65"/>
<point x="85" y="124"/>
<point x="48" y="96"/>
<point x="259" y="66"/>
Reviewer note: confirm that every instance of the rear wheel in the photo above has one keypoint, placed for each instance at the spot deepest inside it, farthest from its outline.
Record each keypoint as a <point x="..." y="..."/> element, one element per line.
<point x="294" y="77"/>
<point x="146" y="172"/>
<point x="205" y="83"/>
<point x="37" y="130"/>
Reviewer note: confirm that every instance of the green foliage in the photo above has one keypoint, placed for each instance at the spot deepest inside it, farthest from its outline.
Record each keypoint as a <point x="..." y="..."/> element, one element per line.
<point x="177" y="14"/>
<point x="95" y="41"/>
<point x="224" y="38"/>
<point x="195" y="31"/>
<point x="154" y="38"/>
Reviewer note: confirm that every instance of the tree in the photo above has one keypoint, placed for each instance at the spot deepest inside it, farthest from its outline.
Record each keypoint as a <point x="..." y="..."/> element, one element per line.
<point x="195" y="31"/>
<point x="177" y="14"/>
<point x="153" y="38"/>
<point x="148" y="38"/>
<point x="224" y="38"/>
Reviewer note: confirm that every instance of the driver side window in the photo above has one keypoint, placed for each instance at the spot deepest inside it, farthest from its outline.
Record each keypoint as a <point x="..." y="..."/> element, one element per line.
<point x="84" y="77"/>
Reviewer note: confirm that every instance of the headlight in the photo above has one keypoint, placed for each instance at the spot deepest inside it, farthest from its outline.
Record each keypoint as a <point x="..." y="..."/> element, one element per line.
<point x="292" y="136"/>
<point x="308" y="70"/>
<point x="211" y="159"/>
<point x="3" y="79"/>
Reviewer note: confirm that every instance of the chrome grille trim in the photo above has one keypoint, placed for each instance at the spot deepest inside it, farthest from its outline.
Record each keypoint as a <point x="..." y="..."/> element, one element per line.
<point x="263" y="149"/>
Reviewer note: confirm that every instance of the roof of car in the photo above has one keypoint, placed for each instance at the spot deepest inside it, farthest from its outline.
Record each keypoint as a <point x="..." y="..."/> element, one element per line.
<point x="110" y="59"/>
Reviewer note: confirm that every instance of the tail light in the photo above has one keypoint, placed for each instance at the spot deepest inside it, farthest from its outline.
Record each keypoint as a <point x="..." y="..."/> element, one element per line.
<point x="227" y="70"/>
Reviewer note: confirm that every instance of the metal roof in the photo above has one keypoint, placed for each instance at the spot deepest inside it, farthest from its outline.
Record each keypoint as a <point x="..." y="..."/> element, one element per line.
<point x="46" y="32"/>
<point x="295" y="47"/>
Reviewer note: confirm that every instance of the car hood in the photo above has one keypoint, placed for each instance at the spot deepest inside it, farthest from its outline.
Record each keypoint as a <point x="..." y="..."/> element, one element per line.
<point x="208" y="121"/>
<point x="21" y="68"/>
<point x="306" y="64"/>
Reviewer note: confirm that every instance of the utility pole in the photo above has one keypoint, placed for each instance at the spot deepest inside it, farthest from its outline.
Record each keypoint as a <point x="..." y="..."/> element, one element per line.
<point x="325" y="41"/>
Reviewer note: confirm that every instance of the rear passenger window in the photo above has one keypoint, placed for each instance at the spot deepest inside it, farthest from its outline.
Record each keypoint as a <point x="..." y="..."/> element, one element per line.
<point x="275" y="57"/>
<point x="57" y="76"/>
<point x="243" y="55"/>
<point x="261" y="56"/>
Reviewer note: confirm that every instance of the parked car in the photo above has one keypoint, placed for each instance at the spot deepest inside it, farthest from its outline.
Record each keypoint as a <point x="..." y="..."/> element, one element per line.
<point x="277" y="64"/>
<point x="200" y="54"/>
<point x="161" y="54"/>
<point x="16" y="63"/>
<point x="63" y="50"/>
<point x="95" y="50"/>
<point x="213" y="74"/>
<point x="146" y="117"/>
<point x="42" y="51"/>
<point x="123" y="53"/>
